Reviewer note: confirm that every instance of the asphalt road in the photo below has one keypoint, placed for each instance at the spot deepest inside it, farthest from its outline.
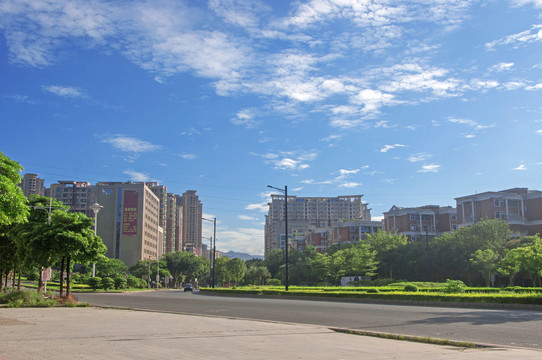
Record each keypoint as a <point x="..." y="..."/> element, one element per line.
<point x="517" y="328"/>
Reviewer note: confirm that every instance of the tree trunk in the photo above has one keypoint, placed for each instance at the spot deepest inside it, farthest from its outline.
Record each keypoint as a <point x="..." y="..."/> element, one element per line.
<point x="61" y="293"/>
<point x="1" y="280"/>
<point x="68" y="290"/>
<point x="19" y="282"/>
<point x="40" y="281"/>
<point x="13" y="278"/>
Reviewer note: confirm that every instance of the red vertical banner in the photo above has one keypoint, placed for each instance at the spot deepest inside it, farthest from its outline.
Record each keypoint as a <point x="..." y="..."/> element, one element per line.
<point x="129" y="212"/>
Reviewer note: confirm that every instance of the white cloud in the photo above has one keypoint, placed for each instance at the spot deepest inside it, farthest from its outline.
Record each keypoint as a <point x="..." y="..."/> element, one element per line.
<point x="521" y="167"/>
<point x="388" y="181"/>
<point x="525" y="37"/>
<point x="470" y="136"/>
<point x="471" y="123"/>
<point x="419" y="157"/>
<point x="387" y="148"/>
<point x="350" y="185"/>
<point x="430" y="168"/>
<point x="245" y="240"/>
<point x="502" y="67"/>
<point x="188" y="156"/>
<point x="261" y="207"/>
<point x="130" y="144"/>
<point x="64" y="91"/>
<point x="535" y="87"/>
<point x="539" y="132"/>
<point x="372" y="100"/>
<point x="246" y="217"/>
<point x="138" y="176"/>
<point x="289" y="160"/>
<point x="245" y="118"/>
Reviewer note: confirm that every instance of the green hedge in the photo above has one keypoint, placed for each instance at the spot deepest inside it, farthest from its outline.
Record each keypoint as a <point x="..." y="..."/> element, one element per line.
<point x="479" y="297"/>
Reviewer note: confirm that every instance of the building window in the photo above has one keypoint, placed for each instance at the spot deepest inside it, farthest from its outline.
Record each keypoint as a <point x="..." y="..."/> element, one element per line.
<point x="426" y="217"/>
<point x="497" y="203"/>
<point x="454" y="217"/>
<point x="412" y="217"/>
<point x="413" y="227"/>
<point x="454" y="227"/>
<point x="497" y="214"/>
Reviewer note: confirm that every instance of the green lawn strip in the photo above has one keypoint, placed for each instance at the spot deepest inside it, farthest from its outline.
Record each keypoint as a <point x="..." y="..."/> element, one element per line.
<point x="499" y="298"/>
<point x="419" y="339"/>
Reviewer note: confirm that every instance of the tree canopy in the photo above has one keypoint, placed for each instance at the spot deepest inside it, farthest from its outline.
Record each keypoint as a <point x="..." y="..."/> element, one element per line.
<point x="13" y="207"/>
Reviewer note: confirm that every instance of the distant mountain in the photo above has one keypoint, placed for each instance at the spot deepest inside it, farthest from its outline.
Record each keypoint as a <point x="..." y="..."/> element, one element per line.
<point x="242" y="256"/>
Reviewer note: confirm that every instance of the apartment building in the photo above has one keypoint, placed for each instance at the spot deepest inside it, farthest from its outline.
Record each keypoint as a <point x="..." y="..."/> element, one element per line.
<point x="344" y="232"/>
<point x="78" y="195"/>
<point x="173" y="224"/>
<point x="191" y="225"/>
<point x="31" y="184"/>
<point x="309" y="213"/>
<point x="417" y="223"/>
<point x="129" y="222"/>
<point x="521" y="208"/>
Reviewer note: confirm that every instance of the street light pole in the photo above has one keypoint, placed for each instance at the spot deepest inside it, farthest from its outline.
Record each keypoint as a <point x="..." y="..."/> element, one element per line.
<point x="285" y="190"/>
<point x="95" y="208"/>
<point x="214" y="251"/>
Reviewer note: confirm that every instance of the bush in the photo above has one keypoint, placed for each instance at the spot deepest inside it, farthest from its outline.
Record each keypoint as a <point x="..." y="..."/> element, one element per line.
<point x="25" y="298"/>
<point x="95" y="282"/>
<point x="120" y="282"/>
<point x="272" y="282"/>
<point x="33" y="276"/>
<point x="108" y="283"/>
<point x="410" y="288"/>
<point x="373" y="291"/>
<point x="454" y="286"/>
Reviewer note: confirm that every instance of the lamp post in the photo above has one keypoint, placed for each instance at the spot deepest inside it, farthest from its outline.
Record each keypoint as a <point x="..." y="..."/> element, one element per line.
<point x="214" y="251"/>
<point x="427" y="249"/>
<point x="95" y="208"/>
<point x="285" y="190"/>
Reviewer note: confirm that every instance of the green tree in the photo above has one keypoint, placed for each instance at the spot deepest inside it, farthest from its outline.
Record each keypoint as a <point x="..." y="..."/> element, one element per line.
<point x="34" y="249"/>
<point x="107" y="267"/>
<point x="273" y="262"/>
<point x="256" y="275"/>
<point x="185" y="266"/>
<point x="237" y="270"/>
<point x="222" y="274"/>
<point x="510" y="265"/>
<point x="387" y="246"/>
<point x="13" y="207"/>
<point x="357" y="260"/>
<point x="485" y="261"/>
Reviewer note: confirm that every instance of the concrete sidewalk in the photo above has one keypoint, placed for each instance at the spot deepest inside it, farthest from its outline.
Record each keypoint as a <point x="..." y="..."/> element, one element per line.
<point x="95" y="333"/>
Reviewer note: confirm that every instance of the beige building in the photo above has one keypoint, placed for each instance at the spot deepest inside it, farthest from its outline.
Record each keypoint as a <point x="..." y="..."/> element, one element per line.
<point x="173" y="225"/>
<point x="191" y="231"/>
<point x="31" y="184"/>
<point x="309" y="213"/>
<point x="521" y="208"/>
<point x="417" y="223"/>
<point x="129" y="222"/>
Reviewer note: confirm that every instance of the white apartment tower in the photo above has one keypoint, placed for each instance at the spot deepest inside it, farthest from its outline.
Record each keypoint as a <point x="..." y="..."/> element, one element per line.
<point x="309" y="213"/>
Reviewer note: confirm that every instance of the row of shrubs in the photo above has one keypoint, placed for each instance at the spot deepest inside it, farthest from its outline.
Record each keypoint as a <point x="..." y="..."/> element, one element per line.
<point x="510" y="298"/>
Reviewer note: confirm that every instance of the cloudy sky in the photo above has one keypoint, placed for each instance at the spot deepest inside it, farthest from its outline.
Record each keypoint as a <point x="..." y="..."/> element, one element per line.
<point x="406" y="102"/>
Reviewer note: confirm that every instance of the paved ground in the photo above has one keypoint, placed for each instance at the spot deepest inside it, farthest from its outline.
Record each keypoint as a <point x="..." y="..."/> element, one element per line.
<point x="95" y="333"/>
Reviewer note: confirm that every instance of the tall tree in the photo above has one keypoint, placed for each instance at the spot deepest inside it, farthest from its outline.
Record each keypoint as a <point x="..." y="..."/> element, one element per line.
<point x="485" y="261"/>
<point x="357" y="260"/>
<point x="386" y="246"/>
<point x="13" y="207"/>
<point x="237" y="270"/>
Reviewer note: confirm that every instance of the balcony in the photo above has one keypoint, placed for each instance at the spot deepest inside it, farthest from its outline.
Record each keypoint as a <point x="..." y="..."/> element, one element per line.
<point x="514" y="218"/>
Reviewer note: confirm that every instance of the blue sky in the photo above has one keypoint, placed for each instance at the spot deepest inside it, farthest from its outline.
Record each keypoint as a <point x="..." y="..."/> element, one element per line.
<point x="407" y="102"/>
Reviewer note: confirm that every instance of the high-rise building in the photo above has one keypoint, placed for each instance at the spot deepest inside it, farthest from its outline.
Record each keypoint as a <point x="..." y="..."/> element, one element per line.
<point x="521" y="208"/>
<point x="161" y="193"/>
<point x="173" y="224"/>
<point x="309" y="213"/>
<point x="31" y="184"/>
<point x="192" y="211"/>
<point x="422" y="222"/>
<point x="78" y="195"/>
<point x="129" y="222"/>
